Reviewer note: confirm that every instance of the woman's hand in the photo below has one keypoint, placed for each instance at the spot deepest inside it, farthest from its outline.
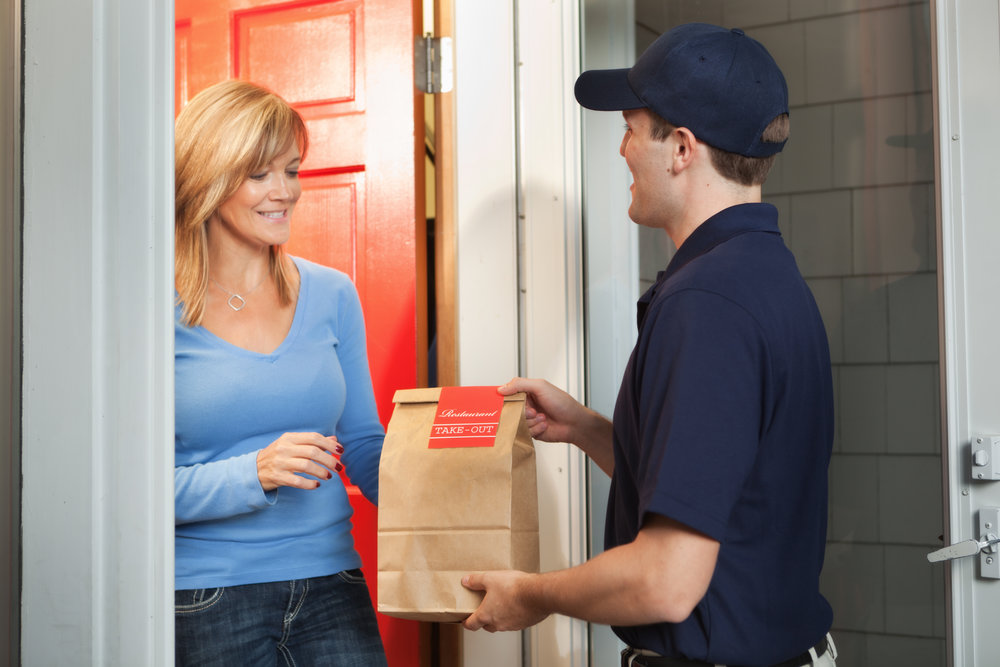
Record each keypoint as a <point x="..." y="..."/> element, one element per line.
<point x="284" y="461"/>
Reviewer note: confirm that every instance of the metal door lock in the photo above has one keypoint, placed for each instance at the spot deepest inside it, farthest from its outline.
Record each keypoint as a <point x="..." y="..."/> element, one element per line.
<point x="985" y="546"/>
<point x="986" y="457"/>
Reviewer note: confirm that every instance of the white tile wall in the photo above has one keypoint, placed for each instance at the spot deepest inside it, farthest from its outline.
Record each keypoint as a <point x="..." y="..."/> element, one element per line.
<point x="903" y="650"/>
<point x="853" y="581"/>
<point x="853" y="493"/>
<point x="806" y="164"/>
<point x="900" y="38"/>
<point x="863" y="409"/>
<point x="829" y="295"/>
<point x="821" y="232"/>
<point x="913" y="417"/>
<point x="866" y="138"/>
<point x="787" y="44"/>
<point x="783" y="203"/>
<point x="836" y="407"/>
<point x="748" y="13"/>
<point x="909" y="591"/>
<point x="805" y="9"/>
<point x="892" y="229"/>
<point x="866" y="320"/>
<point x="919" y="138"/>
<point x="837" y="66"/>
<point x="913" y="318"/>
<point x="909" y="507"/>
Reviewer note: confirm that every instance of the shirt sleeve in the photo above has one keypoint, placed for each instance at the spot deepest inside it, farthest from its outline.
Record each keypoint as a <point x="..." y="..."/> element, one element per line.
<point x="219" y="489"/>
<point x="359" y="430"/>
<point x="701" y="393"/>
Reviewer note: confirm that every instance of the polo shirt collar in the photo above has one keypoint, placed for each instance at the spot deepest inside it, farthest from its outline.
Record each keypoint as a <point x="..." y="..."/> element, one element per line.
<point x="724" y="225"/>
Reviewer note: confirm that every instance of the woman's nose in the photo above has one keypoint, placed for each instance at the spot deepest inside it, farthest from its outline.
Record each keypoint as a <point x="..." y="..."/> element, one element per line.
<point x="282" y="189"/>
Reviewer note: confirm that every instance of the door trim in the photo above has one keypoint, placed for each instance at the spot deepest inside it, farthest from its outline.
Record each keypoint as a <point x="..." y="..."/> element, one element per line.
<point x="10" y="331"/>
<point x="967" y="42"/>
<point x="97" y="419"/>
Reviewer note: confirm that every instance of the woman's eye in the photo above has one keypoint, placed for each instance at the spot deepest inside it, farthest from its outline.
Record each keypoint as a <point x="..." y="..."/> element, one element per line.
<point x="293" y="173"/>
<point x="258" y="177"/>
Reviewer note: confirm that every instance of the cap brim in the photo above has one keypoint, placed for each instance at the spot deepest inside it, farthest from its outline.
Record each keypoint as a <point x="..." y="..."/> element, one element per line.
<point x="606" y="90"/>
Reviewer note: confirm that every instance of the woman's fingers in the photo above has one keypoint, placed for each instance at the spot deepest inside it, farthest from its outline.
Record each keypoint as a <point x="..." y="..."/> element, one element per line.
<point x="285" y="461"/>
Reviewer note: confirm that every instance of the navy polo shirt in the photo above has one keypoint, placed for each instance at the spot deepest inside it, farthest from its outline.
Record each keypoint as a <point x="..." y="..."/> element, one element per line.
<point x="724" y="422"/>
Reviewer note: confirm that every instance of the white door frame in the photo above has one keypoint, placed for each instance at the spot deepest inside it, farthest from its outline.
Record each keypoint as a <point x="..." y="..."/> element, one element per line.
<point x="520" y="259"/>
<point x="97" y="413"/>
<point x="967" y="71"/>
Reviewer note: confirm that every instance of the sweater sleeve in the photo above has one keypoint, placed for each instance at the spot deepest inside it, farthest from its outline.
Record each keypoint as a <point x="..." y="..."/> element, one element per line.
<point x="219" y="489"/>
<point x="359" y="430"/>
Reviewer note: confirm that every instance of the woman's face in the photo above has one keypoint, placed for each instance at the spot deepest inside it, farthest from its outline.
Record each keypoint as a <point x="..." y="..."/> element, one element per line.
<point x="259" y="213"/>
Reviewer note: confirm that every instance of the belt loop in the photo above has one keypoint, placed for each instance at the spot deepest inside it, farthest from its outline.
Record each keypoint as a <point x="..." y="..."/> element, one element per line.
<point x="831" y="647"/>
<point x="630" y="656"/>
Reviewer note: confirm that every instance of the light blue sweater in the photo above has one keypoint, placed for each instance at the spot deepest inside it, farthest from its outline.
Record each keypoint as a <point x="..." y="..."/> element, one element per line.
<point x="231" y="403"/>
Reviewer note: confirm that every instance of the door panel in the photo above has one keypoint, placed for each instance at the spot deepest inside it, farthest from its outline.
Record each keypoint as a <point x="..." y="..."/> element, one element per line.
<point x="346" y="66"/>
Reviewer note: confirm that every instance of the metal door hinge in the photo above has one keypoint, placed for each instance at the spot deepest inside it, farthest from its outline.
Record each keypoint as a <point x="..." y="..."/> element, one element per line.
<point x="433" y="64"/>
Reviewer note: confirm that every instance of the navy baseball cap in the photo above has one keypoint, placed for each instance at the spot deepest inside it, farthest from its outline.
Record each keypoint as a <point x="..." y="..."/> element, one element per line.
<point x="720" y="84"/>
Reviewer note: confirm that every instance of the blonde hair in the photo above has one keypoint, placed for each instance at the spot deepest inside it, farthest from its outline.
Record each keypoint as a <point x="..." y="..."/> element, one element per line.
<point x="223" y="135"/>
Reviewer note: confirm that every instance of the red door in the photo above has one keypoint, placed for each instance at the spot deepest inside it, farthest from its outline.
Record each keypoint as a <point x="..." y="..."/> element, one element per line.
<point x="347" y="66"/>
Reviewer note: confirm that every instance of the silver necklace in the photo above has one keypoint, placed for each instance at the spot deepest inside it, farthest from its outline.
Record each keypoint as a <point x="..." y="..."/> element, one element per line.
<point x="237" y="301"/>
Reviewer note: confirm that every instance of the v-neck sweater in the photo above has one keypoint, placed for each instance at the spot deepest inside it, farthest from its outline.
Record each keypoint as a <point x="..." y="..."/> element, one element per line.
<point x="231" y="402"/>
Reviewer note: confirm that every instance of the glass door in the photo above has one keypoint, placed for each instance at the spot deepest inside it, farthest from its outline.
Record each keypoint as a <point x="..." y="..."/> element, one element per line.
<point x="855" y="188"/>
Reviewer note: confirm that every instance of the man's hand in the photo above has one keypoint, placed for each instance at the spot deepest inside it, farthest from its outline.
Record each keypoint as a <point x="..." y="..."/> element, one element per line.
<point x="552" y="415"/>
<point x="506" y="606"/>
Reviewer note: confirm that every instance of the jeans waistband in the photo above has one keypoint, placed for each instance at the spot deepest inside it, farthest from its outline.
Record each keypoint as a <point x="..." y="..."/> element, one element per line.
<point x="632" y="657"/>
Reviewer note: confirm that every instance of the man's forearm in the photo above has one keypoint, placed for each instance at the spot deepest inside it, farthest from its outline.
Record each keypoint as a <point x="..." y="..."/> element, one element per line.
<point x="660" y="577"/>
<point x="594" y="437"/>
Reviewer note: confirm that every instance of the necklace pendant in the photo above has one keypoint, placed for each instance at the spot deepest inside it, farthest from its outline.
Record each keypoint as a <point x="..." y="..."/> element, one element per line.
<point x="236" y="302"/>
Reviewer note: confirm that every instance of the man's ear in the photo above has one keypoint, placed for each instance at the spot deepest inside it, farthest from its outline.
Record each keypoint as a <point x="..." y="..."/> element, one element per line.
<point x="684" y="148"/>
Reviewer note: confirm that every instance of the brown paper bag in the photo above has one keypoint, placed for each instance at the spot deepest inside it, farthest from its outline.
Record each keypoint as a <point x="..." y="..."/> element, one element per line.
<point x="445" y="511"/>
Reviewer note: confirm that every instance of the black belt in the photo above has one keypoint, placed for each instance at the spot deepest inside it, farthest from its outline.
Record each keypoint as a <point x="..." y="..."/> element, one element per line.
<point x="631" y="658"/>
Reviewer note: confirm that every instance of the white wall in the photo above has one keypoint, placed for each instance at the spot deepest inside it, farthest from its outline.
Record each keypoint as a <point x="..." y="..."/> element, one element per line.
<point x="97" y="439"/>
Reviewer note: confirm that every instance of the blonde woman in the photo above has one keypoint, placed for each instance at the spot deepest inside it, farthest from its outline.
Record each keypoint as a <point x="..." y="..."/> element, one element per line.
<point x="273" y="398"/>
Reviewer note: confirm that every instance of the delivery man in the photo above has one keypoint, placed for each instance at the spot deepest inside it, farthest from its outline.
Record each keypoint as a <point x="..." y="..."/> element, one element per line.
<point x="723" y="428"/>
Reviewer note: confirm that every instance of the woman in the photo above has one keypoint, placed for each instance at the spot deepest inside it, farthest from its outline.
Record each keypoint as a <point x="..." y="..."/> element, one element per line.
<point x="273" y="399"/>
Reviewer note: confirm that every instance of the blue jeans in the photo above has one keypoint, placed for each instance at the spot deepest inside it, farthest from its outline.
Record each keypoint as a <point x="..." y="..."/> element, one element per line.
<point x="303" y="622"/>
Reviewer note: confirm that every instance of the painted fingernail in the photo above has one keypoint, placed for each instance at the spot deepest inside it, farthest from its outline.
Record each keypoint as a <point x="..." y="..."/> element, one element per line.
<point x="329" y="475"/>
<point x="339" y="467"/>
<point x="339" y="449"/>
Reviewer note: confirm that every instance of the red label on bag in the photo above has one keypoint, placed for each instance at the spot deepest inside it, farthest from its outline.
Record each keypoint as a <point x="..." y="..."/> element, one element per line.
<point x="466" y="417"/>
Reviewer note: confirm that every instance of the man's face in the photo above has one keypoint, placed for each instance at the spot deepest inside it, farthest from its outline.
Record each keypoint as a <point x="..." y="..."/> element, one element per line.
<point x="649" y="160"/>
